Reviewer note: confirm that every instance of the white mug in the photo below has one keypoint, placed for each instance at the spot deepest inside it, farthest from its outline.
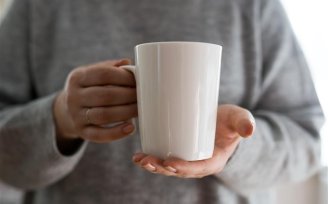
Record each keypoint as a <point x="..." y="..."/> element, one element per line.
<point x="177" y="93"/>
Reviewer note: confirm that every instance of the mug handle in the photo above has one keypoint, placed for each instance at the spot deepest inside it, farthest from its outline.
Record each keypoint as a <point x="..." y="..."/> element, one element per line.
<point x="130" y="68"/>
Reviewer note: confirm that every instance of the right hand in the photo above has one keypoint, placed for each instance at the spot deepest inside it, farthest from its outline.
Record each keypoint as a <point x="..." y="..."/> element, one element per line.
<point x="107" y="91"/>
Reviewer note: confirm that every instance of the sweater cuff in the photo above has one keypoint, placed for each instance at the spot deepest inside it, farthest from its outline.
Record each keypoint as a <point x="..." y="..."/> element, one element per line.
<point x="31" y="158"/>
<point x="48" y="145"/>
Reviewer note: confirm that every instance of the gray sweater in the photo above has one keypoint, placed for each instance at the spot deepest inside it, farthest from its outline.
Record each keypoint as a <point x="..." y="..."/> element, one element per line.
<point x="263" y="70"/>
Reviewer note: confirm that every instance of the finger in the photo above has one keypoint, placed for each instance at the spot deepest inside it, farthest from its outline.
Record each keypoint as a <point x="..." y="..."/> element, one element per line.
<point x="107" y="115"/>
<point x="191" y="169"/>
<point x="96" y="96"/>
<point x="237" y="119"/>
<point x="104" y="74"/>
<point x="154" y="164"/>
<point x="103" y="135"/>
<point x="138" y="157"/>
<point x="111" y="63"/>
<point x="122" y="62"/>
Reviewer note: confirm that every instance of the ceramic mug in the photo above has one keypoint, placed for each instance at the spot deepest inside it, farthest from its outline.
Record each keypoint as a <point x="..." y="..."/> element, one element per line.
<point x="177" y="93"/>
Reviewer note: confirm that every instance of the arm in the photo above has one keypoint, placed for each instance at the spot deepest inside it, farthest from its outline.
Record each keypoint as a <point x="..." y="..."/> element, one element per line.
<point x="40" y="138"/>
<point x="286" y="145"/>
<point x="29" y="157"/>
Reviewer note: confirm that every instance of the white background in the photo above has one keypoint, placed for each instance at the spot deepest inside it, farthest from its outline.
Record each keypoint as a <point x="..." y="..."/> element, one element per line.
<point x="309" y="19"/>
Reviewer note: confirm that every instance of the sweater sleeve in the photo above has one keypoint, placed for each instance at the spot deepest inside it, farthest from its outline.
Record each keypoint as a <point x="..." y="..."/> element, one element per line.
<point x="286" y="143"/>
<point x="29" y="157"/>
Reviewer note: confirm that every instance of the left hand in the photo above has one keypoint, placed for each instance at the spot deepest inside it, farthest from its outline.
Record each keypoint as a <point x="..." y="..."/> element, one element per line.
<point x="233" y="123"/>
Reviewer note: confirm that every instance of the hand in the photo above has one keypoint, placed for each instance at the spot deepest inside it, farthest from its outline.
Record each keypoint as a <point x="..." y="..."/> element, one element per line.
<point x="94" y="96"/>
<point x="233" y="123"/>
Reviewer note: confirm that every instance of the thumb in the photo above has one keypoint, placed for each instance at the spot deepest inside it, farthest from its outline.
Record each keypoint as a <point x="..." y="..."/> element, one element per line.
<point x="246" y="126"/>
<point x="239" y="119"/>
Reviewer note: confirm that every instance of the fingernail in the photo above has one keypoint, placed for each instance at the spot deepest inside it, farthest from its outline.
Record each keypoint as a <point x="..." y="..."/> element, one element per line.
<point x="246" y="129"/>
<point x="171" y="169"/>
<point x="136" y="158"/>
<point x="150" y="167"/>
<point x="128" y="128"/>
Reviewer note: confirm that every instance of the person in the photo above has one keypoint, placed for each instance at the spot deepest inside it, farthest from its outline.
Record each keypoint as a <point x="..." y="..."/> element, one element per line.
<point x="59" y="59"/>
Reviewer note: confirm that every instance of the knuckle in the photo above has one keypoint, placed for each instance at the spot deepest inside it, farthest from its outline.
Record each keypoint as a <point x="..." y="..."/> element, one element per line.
<point x="71" y="100"/>
<point x="101" y="116"/>
<point x="70" y="96"/>
<point x="74" y="76"/>
<point x="69" y="106"/>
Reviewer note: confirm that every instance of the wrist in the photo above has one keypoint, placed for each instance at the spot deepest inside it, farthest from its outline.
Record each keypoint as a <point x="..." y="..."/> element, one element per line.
<point x="63" y="126"/>
<point x="67" y="142"/>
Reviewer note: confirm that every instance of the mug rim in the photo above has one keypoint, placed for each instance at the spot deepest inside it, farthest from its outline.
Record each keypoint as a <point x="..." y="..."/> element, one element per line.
<point x="175" y="42"/>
